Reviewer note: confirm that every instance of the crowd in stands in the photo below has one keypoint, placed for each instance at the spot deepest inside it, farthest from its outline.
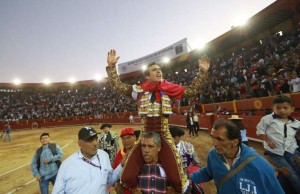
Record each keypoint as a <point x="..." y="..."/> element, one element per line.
<point x="31" y="105"/>
<point x="269" y="68"/>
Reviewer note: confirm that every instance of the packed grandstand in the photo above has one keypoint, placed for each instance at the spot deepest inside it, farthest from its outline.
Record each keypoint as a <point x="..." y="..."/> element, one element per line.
<point x="263" y="62"/>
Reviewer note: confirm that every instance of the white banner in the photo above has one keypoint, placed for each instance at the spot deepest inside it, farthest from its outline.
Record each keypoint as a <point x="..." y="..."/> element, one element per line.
<point x="170" y="52"/>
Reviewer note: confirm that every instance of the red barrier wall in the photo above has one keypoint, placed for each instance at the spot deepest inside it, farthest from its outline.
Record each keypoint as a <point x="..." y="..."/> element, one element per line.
<point x="250" y="104"/>
<point x="206" y="121"/>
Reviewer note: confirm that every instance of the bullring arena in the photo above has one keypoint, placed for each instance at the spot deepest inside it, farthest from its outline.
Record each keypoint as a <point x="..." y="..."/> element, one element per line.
<point x="248" y="67"/>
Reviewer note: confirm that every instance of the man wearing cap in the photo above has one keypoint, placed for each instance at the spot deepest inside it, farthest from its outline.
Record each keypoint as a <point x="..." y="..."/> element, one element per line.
<point x="88" y="170"/>
<point x="128" y="140"/>
<point x="109" y="141"/>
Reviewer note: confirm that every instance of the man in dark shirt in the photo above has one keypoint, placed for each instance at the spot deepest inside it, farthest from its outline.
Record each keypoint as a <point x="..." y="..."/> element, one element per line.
<point x="152" y="177"/>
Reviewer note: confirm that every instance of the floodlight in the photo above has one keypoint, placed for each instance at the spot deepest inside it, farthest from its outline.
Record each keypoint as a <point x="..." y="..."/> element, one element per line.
<point x="98" y="77"/>
<point x="72" y="80"/>
<point x="47" y="81"/>
<point x="166" y="59"/>
<point x="144" y="67"/>
<point x="17" y="82"/>
<point x="199" y="44"/>
<point x="241" y="20"/>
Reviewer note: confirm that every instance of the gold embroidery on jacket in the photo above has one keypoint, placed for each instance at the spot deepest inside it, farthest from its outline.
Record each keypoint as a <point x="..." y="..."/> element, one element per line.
<point x="197" y="84"/>
<point x="115" y="81"/>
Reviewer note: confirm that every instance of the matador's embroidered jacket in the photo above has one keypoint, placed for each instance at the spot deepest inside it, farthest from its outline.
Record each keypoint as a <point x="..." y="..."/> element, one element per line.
<point x="154" y="117"/>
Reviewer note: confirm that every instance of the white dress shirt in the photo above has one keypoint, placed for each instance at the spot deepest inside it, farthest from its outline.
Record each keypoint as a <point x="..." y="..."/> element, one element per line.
<point x="76" y="176"/>
<point x="273" y="128"/>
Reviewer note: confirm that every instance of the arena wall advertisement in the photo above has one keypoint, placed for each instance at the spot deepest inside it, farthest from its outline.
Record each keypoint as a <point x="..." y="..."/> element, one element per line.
<point x="171" y="52"/>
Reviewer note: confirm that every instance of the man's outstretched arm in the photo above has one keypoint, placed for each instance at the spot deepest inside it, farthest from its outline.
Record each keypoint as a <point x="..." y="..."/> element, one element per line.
<point x="199" y="81"/>
<point x="113" y="77"/>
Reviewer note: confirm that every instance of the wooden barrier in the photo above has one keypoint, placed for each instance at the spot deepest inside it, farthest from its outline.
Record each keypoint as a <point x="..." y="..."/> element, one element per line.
<point x="206" y="120"/>
<point x="263" y="103"/>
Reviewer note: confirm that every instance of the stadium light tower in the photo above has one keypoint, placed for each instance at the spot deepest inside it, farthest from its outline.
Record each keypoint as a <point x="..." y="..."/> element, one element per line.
<point x="72" y="80"/>
<point x="144" y="67"/>
<point x="98" y="78"/>
<point x="47" y="82"/>
<point x="241" y="20"/>
<point x="166" y="60"/>
<point x="17" y="82"/>
<point x="199" y="44"/>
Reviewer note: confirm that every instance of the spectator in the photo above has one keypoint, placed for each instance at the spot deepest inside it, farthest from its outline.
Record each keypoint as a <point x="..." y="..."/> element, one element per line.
<point x="278" y="132"/>
<point x="45" y="163"/>
<point x="224" y="160"/>
<point x="88" y="170"/>
<point x="196" y="123"/>
<point x="131" y="119"/>
<point x="235" y="119"/>
<point x="295" y="82"/>
<point x="190" y="124"/>
<point x="7" y="132"/>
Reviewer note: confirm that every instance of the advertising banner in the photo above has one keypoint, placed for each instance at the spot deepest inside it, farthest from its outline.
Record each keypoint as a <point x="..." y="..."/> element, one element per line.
<point x="170" y="52"/>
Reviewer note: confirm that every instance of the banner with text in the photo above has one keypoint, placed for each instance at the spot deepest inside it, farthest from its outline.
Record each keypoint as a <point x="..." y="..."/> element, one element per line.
<point x="170" y="52"/>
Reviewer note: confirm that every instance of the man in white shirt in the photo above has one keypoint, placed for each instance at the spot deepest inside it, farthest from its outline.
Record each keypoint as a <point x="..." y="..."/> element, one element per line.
<point x="295" y="82"/>
<point x="131" y="119"/>
<point x="88" y="170"/>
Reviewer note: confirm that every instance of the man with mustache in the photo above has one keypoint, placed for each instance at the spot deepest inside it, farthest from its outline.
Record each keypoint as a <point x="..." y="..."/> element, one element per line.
<point x="235" y="167"/>
<point x="152" y="177"/>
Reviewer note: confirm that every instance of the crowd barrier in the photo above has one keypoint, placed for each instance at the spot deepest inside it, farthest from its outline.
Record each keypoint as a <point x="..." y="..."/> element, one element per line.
<point x="205" y="120"/>
<point x="247" y="105"/>
<point x="207" y="116"/>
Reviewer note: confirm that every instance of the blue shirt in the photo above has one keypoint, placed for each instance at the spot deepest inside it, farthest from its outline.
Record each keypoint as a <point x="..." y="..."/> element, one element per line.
<point x="256" y="177"/>
<point x="7" y="130"/>
<point x="244" y="135"/>
<point x="76" y="176"/>
<point x="46" y="170"/>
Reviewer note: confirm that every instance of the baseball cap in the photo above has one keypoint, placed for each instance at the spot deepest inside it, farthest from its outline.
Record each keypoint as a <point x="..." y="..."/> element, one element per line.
<point x="127" y="131"/>
<point x="86" y="133"/>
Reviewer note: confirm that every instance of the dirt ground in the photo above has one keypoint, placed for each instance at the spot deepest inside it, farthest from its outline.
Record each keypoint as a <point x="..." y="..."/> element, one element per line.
<point x="16" y="156"/>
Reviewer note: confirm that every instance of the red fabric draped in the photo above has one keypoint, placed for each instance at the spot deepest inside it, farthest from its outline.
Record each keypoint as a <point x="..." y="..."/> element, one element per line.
<point x="171" y="89"/>
<point x="118" y="159"/>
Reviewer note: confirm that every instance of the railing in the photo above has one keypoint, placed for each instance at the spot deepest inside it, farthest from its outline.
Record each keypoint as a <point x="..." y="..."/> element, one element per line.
<point x="207" y="116"/>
